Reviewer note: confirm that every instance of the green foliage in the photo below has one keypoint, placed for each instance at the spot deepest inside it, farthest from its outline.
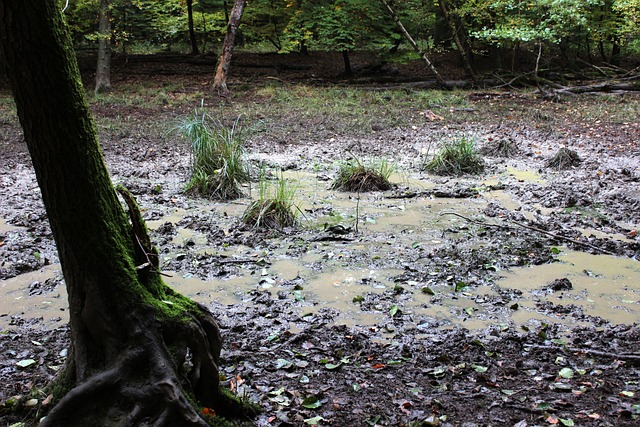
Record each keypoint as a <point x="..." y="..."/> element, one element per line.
<point x="356" y="177"/>
<point x="264" y="21"/>
<point x="346" y="25"/>
<point x="456" y="158"/>
<point x="275" y="207"/>
<point x="217" y="157"/>
<point x="552" y="22"/>
<point x="148" y="26"/>
<point x="338" y="25"/>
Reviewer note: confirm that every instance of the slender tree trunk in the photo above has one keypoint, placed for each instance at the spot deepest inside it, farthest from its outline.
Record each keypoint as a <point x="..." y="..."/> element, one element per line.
<point x="224" y="63"/>
<point x="348" y="71"/>
<point x="458" y="42"/>
<point x="103" y="70"/>
<point x="192" y="32"/>
<point x="131" y="334"/>
<point x="225" y="8"/>
<point x="414" y="45"/>
<point x="615" y="53"/>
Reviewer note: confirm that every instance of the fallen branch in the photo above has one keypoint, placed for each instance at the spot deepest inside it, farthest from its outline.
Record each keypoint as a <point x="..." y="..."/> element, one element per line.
<point x="528" y="227"/>
<point x="414" y="45"/>
<point x="630" y="86"/>
<point x="243" y="261"/>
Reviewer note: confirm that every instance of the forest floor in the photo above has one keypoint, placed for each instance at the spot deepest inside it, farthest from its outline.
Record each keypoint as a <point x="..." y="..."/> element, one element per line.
<point x="506" y="299"/>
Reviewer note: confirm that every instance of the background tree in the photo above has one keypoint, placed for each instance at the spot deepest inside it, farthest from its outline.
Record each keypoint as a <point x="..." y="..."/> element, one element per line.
<point x="192" y="32"/>
<point x="224" y="63"/>
<point x="103" y="69"/>
<point x="130" y="333"/>
<point x="340" y="26"/>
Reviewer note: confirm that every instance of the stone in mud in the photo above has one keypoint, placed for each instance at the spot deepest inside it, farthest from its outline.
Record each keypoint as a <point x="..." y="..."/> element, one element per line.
<point x="557" y="285"/>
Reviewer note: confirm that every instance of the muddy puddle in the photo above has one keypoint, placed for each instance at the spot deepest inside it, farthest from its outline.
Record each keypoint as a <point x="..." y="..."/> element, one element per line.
<point x="597" y="285"/>
<point x="37" y="294"/>
<point x="345" y="274"/>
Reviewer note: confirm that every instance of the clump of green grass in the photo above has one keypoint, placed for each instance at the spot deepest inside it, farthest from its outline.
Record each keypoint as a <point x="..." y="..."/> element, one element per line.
<point x="218" y="167"/>
<point x="456" y="158"/>
<point x="355" y="176"/>
<point x="275" y="208"/>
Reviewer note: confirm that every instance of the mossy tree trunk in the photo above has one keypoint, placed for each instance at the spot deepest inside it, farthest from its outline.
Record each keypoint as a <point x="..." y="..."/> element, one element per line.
<point x="131" y="334"/>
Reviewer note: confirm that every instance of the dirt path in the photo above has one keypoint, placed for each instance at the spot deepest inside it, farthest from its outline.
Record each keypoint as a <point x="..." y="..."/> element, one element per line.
<point x="511" y="298"/>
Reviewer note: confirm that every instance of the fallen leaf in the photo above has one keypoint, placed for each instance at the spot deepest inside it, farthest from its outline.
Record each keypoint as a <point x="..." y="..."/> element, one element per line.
<point x="566" y="373"/>
<point x="208" y="411"/>
<point x="393" y="311"/>
<point x="311" y="402"/>
<point x="25" y="363"/>
<point x="314" y="421"/>
<point x="552" y="420"/>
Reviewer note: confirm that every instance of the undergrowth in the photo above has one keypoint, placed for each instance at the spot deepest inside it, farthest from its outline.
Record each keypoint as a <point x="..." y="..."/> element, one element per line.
<point x="357" y="177"/>
<point x="275" y="207"/>
<point x="455" y="159"/>
<point x="217" y="157"/>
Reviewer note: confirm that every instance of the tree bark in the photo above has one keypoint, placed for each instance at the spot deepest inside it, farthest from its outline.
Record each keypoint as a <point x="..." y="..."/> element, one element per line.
<point x="103" y="69"/>
<point x="220" y="79"/>
<point x="464" y="55"/>
<point x="414" y="45"/>
<point x="130" y="333"/>
<point x="348" y="71"/>
<point x="192" y="32"/>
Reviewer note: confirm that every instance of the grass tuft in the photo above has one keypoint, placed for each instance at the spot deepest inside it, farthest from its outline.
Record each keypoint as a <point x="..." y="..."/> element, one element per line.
<point x="275" y="208"/>
<point x="505" y="148"/>
<point x="455" y="159"/>
<point x="217" y="157"/>
<point x="356" y="177"/>
<point x="564" y="159"/>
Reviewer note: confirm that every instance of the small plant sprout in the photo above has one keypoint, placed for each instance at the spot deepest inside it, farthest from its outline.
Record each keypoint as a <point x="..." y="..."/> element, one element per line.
<point x="218" y="167"/>
<point x="456" y="158"/>
<point x="275" y="207"/>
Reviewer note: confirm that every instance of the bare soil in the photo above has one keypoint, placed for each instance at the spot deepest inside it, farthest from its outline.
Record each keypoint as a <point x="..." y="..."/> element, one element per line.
<point x="306" y="370"/>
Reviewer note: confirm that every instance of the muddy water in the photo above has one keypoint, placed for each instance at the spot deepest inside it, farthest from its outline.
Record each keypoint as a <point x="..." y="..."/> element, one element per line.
<point x="421" y="220"/>
<point x="603" y="286"/>
<point x="4" y="227"/>
<point x="17" y="298"/>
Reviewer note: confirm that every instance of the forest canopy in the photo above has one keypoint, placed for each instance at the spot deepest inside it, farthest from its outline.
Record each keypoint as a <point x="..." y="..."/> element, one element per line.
<point x="592" y="30"/>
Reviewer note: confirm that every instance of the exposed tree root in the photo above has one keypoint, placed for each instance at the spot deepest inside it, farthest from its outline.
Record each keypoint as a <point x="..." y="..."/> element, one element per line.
<point x="148" y="384"/>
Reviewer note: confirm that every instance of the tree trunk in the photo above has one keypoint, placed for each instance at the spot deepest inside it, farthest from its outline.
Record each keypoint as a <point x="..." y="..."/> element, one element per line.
<point x="615" y="53"/>
<point x="192" y="32"/>
<point x="464" y="55"/>
<point x="103" y="69"/>
<point x="130" y="333"/>
<point x="348" y="71"/>
<point x="220" y="79"/>
<point x="414" y="45"/>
